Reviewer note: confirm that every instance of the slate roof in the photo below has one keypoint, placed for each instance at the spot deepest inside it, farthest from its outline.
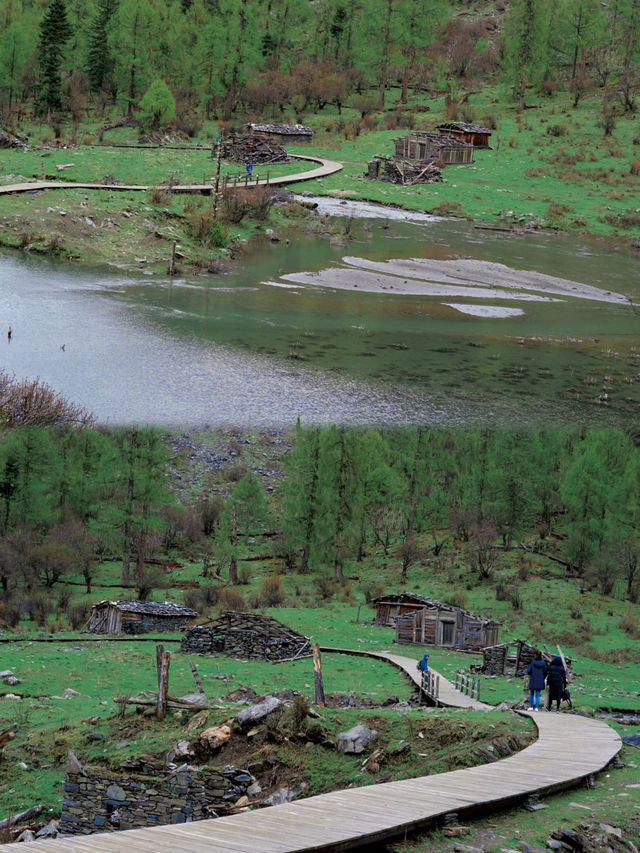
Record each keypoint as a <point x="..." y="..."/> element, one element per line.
<point x="466" y="127"/>
<point x="413" y="598"/>
<point x="282" y="129"/>
<point x="151" y="608"/>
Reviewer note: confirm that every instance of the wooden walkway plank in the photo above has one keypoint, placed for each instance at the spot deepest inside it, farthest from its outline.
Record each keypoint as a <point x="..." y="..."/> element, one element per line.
<point x="570" y="747"/>
<point x="326" y="167"/>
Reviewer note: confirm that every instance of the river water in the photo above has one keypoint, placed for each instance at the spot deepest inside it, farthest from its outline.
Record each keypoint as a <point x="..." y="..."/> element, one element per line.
<point x="254" y="348"/>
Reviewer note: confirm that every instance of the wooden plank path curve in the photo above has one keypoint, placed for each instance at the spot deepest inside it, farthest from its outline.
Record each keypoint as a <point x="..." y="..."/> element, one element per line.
<point x="569" y="748"/>
<point x="326" y="167"/>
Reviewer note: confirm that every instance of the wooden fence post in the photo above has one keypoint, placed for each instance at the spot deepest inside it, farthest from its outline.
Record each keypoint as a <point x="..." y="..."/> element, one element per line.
<point x="163" y="683"/>
<point x="317" y="672"/>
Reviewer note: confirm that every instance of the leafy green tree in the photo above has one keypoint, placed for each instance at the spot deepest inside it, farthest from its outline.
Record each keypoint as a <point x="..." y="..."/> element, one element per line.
<point x="249" y="499"/>
<point x="157" y="105"/>
<point x="55" y="31"/>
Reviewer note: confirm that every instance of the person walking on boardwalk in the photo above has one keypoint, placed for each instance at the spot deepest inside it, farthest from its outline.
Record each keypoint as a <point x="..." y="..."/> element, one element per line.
<point x="423" y="665"/>
<point x="537" y="672"/>
<point x="556" y="681"/>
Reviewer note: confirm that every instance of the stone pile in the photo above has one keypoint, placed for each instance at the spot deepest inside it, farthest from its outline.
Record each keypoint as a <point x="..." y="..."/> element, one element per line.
<point x="98" y="801"/>
<point x="246" y="635"/>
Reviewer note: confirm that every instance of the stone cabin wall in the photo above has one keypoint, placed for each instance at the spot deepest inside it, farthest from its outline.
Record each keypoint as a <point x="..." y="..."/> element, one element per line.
<point x="96" y="801"/>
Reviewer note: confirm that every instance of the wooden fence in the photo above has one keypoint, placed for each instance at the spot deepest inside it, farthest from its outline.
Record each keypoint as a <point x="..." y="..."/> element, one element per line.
<point x="431" y="685"/>
<point x="468" y="684"/>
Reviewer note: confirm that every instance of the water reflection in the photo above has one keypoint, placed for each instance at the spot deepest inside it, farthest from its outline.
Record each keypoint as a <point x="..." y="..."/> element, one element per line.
<point x="234" y="349"/>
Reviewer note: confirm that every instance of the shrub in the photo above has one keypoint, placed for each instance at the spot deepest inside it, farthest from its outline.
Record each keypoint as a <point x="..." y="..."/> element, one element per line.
<point x="458" y="599"/>
<point x="271" y="592"/>
<point x="515" y="598"/>
<point x="326" y="586"/>
<point x="77" y="616"/>
<point x="159" y="196"/>
<point x="502" y="591"/>
<point x="634" y="169"/>
<point x="229" y="599"/>
<point x="629" y="624"/>
<point x="376" y="589"/>
<point x="202" y="599"/>
<point x="557" y="130"/>
<point x="299" y="712"/>
<point x="207" y="230"/>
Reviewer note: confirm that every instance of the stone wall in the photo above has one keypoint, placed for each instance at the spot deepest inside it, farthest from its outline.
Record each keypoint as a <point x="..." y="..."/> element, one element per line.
<point x="97" y="801"/>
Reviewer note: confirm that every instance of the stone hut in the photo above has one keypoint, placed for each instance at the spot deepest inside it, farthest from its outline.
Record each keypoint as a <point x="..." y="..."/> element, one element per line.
<point x="138" y="617"/>
<point x="281" y="133"/>
<point x="473" y="134"/>
<point x="425" y="147"/>
<point x="246" y="635"/>
<point x="425" y="621"/>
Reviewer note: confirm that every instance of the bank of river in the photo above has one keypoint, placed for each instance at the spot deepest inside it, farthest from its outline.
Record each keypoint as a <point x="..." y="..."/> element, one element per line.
<point x="280" y="338"/>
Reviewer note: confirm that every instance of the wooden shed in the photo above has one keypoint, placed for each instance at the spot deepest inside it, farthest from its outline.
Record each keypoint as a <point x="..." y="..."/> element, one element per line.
<point x="138" y="617"/>
<point x="282" y="133"/>
<point x="425" y="621"/>
<point x="448" y="626"/>
<point x="246" y="635"/>
<point x="473" y="134"/>
<point x="425" y="146"/>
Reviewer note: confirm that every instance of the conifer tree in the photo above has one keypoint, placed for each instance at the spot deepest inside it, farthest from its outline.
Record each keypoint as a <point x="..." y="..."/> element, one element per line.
<point x="55" y="31"/>
<point x="100" y="62"/>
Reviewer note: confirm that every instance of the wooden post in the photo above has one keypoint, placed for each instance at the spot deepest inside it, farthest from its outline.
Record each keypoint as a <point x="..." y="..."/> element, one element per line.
<point x="42" y="169"/>
<point x="163" y="685"/>
<point x="172" y="264"/>
<point x="159" y="651"/>
<point x="197" y="679"/>
<point x="317" y="673"/>
<point x="216" y="189"/>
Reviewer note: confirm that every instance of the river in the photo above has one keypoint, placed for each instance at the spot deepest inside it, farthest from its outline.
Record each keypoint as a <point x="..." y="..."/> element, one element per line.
<point x="264" y="344"/>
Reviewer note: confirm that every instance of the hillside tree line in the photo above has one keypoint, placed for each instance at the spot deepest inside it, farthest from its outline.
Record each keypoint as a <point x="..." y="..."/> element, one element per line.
<point x="214" y="58"/>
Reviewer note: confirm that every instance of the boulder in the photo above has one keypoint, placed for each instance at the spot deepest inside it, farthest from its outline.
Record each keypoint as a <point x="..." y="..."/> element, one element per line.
<point x="214" y="737"/>
<point x="356" y="739"/>
<point x="251" y="715"/>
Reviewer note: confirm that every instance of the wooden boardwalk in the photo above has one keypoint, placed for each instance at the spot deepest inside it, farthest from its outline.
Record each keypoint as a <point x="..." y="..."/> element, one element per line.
<point x="569" y="748"/>
<point x="325" y="167"/>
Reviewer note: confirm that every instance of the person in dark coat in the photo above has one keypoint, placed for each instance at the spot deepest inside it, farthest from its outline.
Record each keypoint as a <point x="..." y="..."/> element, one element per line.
<point x="556" y="681"/>
<point x="537" y="672"/>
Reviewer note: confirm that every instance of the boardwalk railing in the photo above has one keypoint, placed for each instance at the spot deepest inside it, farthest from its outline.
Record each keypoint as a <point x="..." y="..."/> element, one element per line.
<point x="431" y="684"/>
<point x="468" y="684"/>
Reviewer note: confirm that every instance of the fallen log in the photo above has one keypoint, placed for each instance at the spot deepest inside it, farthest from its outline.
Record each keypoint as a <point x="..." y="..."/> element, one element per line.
<point x="34" y="811"/>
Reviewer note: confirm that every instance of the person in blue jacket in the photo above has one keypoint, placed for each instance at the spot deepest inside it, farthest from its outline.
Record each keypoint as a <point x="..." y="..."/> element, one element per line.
<point x="537" y="672"/>
<point x="423" y="665"/>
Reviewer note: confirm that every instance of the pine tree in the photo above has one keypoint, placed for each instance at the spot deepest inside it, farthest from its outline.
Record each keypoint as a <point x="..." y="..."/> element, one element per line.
<point x="100" y="62"/>
<point x="55" y="31"/>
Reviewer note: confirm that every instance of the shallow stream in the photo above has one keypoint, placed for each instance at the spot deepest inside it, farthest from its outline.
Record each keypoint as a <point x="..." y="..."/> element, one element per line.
<point x="255" y="348"/>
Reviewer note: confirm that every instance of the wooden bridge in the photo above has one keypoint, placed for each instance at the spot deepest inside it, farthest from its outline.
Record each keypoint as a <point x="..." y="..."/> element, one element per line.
<point x="569" y="749"/>
<point x="325" y="167"/>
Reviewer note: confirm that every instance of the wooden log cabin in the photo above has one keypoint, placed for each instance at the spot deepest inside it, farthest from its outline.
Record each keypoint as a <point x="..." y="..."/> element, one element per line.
<point x="472" y="134"/>
<point x="424" y="146"/>
<point x="425" y="621"/>
<point x="138" y="617"/>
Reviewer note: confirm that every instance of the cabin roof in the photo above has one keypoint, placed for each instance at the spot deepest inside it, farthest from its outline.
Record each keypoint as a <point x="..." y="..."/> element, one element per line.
<point x="413" y="598"/>
<point x="154" y="608"/>
<point x="464" y="126"/>
<point x="437" y="140"/>
<point x="282" y="129"/>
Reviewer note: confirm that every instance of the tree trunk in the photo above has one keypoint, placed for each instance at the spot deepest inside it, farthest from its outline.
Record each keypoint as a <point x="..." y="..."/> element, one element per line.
<point x="233" y="564"/>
